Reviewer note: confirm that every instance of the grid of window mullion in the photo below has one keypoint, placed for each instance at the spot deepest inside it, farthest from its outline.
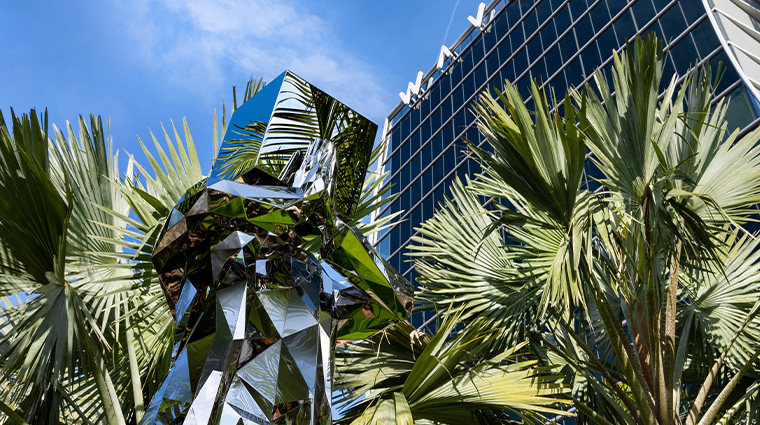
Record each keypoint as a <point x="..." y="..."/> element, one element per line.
<point x="453" y="88"/>
<point x="477" y="92"/>
<point x="490" y="78"/>
<point x="447" y="176"/>
<point x="617" y="16"/>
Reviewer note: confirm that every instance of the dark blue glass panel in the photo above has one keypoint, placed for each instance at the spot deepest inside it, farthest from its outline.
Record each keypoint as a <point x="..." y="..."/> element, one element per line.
<point x="673" y="23"/>
<point x="517" y="37"/>
<point x="574" y="72"/>
<point x="425" y="132"/>
<point x="447" y="135"/>
<point x="521" y="62"/>
<point x="500" y="24"/>
<point x="583" y="30"/>
<point x="684" y="55"/>
<point x="395" y="138"/>
<point x="660" y="4"/>
<point x="530" y="24"/>
<point x="616" y="6"/>
<point x="534" y="48"/>
<point x="591" y="59"/>
<point x="600" y="16"/>
<point x="489" y="39"/>
<point x="720" y="64"/>
<point x="492" y="64"/>
<point x="467" y="62"/>
<point x="705" y="38"/>
<point x="577" y="8"/>
<point x="435" y="95"/>
<point x="543" y="10"/>
<point x="643" y="11"/>
<point x="625" y="28"/>
<point x="553" y="60"/>
<point x="414" y="118"/>
<point x="477" y="48"/>
<point x="480" y="76"/>
<point x="404" y="127"/>
<point x="469" y="87"/>
<point x="539" y="72"/>
<point x="568" y="46"/>
<point x="562" y="19"/>
<point x="607" y="43"/>
<point x="692" y="9"/>
<point x="548" y="35"/>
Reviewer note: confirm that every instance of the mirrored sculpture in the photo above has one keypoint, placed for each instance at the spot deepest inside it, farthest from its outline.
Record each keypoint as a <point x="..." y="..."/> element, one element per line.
<point x="261" y="271"/>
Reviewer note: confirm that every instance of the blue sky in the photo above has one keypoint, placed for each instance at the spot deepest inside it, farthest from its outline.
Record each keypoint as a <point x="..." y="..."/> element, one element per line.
<point x="147" y="62"/>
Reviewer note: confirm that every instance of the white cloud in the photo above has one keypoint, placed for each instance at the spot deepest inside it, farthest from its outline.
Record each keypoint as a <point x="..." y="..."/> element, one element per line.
<point x="205" y="45"/>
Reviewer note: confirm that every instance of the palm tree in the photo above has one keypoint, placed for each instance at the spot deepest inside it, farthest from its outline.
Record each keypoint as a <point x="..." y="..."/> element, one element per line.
<point x="616" y="240"/>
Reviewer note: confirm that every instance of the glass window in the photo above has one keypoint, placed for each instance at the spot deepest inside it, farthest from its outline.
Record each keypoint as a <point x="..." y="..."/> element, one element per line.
<point x="624" y="28"/>
<point x="447" y="135"/>
<point x="607" y="43"/>
<point x="477" y="48"/>
<point x="395" y="162"/>
<point x="673" y="23"/>
<point x="557" y="3"/>
<point x="424" y="133"/>
<point x="684" y="55"/>
<point x="435" y="119"/>
<point x="467" y="62"/>
<point x="507" y="74"/>
<point x="521" y="63"/>
<point x="445" y="109"/>
<point x="667" y="73"/>
<point x="534" y="48"/>
<point x="492" y="64"/>
<point x="553" y="60"/>
<point x="600" y="16"/>
<point x="562" y="19"/>
<point x="567" y="46"/>
<point x="705" y="38"/>
<point x="424" y="105"/>
<point x="577" y="8"/>
<point x="583" y="30"/>
<point x="395" y="138"/>
<point x="444" y="84"/>
<point x="457" y="97"/>
<point x="548" y="35"/>
<point x="414" y="117"/>
<point x="543" y="10"/>
<point x="404" y="127"/>
<point x="517" y="37"/>
<point x="692" y="9"/>
<point x="489" y="39"/>
<point x="591" y="59"/>
<point x="721" y="66"/>
<point x="616" y="6"/>
<point x="456" y="73"/>
<point x="500" y="24"/>
<point x="459" y="124"/>
<point x="414" y="143"/>
<point x="540" y="73"/>
<point x="504" y="49"/>
<point x="740" y="110"/>
<point x="468" y="86"/>
<point x="660" y="4"/>
<point x="643" y="11"/>
<point x="530" y="24"/>
<point x="574" y="72"/>
<point x="480" y="76"/>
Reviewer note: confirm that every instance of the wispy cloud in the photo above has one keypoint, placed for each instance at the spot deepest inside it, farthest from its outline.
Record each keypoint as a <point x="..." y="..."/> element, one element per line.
<point x="206" y="45"/>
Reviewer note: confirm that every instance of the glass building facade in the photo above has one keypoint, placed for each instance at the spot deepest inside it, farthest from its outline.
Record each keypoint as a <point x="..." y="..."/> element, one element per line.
<point x="559" y="43"/>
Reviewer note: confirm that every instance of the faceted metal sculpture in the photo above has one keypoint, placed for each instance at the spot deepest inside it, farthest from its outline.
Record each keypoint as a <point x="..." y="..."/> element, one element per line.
<point x="257" y="311"/>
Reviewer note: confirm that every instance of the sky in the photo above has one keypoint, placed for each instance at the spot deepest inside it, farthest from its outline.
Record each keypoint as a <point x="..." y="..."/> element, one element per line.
<point x="144" y="63"/>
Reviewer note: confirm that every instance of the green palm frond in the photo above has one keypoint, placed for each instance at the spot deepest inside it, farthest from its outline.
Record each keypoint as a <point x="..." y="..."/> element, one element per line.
<point x="445" y="378"/>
